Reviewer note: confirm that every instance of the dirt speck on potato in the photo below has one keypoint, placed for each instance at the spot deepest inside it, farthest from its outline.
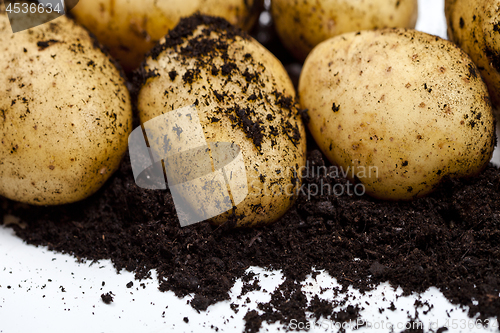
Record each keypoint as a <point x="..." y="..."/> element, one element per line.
<point x="42" y="45"/>
<point x="335" y="108"/>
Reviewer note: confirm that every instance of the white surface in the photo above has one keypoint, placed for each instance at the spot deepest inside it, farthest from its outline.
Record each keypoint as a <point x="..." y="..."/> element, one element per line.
<point x="42" y="291"/>
<point x="431" y="17"/>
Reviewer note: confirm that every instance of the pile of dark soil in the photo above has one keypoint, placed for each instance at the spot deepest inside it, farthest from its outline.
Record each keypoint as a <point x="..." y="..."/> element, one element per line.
<point x="450" y="239"/>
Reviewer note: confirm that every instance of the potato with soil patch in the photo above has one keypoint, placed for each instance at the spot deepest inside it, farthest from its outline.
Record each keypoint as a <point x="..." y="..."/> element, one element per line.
<point x="65" y="114"/>
<point x="475" y="27"/>
<point x="130" y="28"/>
<point x="241" y="94"/>
<point x="399" y="109"/>
<point x="303" y="24"/>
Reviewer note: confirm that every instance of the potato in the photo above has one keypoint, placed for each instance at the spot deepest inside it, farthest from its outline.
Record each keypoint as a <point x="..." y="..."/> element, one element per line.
<point x="65" y="114"/>
<point x="474" y="27"/>
<point x="130" y="28"/>
<point x="303" y="24"/>
<point x="241" y="95"/>
<point x="397" y="109"/>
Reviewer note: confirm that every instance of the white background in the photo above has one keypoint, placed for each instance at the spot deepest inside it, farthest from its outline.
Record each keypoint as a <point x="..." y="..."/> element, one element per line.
<point x="42" y="291"/>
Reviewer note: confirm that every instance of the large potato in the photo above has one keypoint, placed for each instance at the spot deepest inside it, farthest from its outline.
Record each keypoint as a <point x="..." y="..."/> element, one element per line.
<point x="398" y="109"/>
<point x="303" y="24"/>
<point x="475" y="27"/>
<point x="130" y="28"/>
<point x="65" y="114"/>
<point x="242" y="95"/>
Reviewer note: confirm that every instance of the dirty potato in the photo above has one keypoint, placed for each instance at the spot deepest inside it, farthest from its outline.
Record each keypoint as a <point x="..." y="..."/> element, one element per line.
<point x="242" y="96"/>
<point x="475" y="27"/>
<point x="399" y="109"/>
<point x="65" y="114"/>
<point x="130" y="28"/>
<point x="303" y="24"/>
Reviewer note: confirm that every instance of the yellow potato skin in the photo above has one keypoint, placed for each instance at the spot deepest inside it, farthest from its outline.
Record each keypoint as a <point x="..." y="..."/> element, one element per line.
<point x="130" y="28"/>
<point x="410" y="104"/>
<point x="303" y="24"/>
<point x="249" y="78"/>
<point x="65" y="114"/>
<point x="474" y="27"/>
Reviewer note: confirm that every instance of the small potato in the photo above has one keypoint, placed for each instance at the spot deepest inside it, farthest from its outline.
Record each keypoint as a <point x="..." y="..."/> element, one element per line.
<point x="65" y="114"/>
<point x="474" y="25"/>
<point x="130" y="28"/>
<point x="398" y="109"/>
<point x="241" y="95"/>
<point x="303" y="24"/>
